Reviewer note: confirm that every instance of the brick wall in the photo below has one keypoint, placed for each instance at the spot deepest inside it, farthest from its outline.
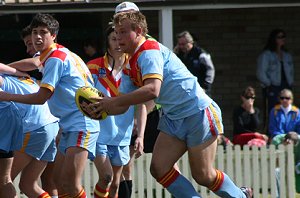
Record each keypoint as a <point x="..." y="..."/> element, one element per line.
<point x="235" y="37"/>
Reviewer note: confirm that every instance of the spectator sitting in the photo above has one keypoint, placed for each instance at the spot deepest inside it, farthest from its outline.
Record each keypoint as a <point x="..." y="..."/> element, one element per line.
<point x="284" y="118"/>
<point x="246" y="121"/>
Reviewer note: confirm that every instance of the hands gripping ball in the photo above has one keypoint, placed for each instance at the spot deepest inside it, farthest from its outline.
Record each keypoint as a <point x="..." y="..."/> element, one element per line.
<point x="82" y="99"/>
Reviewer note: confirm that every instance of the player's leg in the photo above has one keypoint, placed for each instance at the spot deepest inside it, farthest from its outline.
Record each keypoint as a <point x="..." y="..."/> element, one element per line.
<point x="114" y="187"/>
<point x="125" y="187"/>
<point x="77" y="147"/>
<point x="119" y="156"/>
<point x="167" y="150"/>
<point x="21" y="160"/>
<point x="202" y="145"/>
<point x="105" y="174"/>
<point x="7" y="188"/>
<point x="72" y="169"/>
<point x="30" y="176"/>
<point x="57" y="171"/>
<point x="47" y="179"/>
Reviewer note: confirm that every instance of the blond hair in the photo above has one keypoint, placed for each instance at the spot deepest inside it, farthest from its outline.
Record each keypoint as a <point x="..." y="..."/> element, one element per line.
<point x="136" y="18"/>
<point x="287" y="92"/>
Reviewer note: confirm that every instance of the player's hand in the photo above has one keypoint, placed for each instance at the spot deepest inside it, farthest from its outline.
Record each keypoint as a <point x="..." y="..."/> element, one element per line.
<point x="21" y="74"/>
<point x="109" y="105"/>
<point x="139" y="147"/>
<point x="101" y="104"/>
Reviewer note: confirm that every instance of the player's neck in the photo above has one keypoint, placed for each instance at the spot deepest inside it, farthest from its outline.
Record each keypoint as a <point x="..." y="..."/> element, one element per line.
<point x="139" y="41"/>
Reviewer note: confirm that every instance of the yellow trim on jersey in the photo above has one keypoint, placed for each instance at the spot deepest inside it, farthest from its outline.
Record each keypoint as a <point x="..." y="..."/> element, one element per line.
<point x="86" y="140"/>
<point x="25" y="142"/>
<point x="84" y="75"/>
<point x="111" y="86"/>
<point x="26" y="80"/>
<point x="47" y="86"/>
<point x="44" y="55"/>
<point x="93" y="66"/>
<point x="218" y="122"/>
<point x="152" y="76"/>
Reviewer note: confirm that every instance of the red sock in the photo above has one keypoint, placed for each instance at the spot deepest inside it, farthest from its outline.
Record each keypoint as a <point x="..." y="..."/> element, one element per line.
<point x="169" y="178"/>
<point x="81" y="194"/>
<point x="64" y="196"/>
<point x="100" y="193"/>
<point x="218" y="182"/>
<point x="44" y="195"/>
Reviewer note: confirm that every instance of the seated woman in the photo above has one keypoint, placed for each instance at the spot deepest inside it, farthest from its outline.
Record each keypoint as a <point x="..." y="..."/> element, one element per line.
<point x="246" y="121"/>
<point x="284" y="117"/>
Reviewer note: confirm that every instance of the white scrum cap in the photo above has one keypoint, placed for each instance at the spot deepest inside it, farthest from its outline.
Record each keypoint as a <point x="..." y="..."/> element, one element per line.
<point x="126" y="6"/>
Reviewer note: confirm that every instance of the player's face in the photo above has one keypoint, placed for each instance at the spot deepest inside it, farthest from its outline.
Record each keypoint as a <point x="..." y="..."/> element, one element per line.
<point x="29" y="45"/>
<point x="113" y="43"/>
<point x="182" y="44"/>
<point x="126" y="36"/>
<point x="42" y="38"/>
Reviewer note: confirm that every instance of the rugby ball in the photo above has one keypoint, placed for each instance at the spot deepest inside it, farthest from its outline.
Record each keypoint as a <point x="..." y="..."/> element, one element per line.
<point x="82" y="98"/>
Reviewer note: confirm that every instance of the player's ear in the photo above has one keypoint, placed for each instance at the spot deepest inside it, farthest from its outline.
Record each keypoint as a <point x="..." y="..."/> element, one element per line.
<point x="53" y="37"/>
<point x="138" y="31"/>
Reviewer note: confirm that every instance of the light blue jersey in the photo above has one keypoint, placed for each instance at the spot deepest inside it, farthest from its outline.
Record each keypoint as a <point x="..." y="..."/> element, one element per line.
<point x="34" y="116"/>
<point x="180" y="94"/>
<point x="11" y="129"/>
<point x="63" y="73"/>
<point x="117" y="129"/>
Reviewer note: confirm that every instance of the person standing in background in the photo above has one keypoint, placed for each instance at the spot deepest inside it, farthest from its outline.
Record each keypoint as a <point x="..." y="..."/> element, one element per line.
<point x="197" y="60"/>
<point x="275" y="69"/>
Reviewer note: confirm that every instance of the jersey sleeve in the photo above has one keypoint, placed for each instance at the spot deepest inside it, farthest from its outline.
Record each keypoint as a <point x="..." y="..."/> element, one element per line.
<point x="151" y="64"/>
<point x="52" y="73"/>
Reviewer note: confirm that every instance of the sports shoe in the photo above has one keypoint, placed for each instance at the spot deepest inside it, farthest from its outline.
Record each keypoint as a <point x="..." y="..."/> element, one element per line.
<point x="247" y="191"/>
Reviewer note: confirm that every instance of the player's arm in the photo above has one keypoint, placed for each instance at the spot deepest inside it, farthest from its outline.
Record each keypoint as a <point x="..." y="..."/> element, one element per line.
<point x="39" y="97"/>
<point x="118" y="105"/>
<point x="26" y="64"/>
<point x="4" y="69"/>
<point x="149" y="91"/>
<point x="141" y="116"/>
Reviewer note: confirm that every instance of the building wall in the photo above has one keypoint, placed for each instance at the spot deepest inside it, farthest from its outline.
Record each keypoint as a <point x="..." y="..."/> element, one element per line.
<point x="235" y="37"/>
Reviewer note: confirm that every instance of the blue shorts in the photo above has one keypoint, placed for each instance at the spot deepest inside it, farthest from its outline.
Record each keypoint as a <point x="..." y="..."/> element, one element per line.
<point x="83" y="139"/>
<point x="195" y="129"/>
<point x="118" y="155"/>
<point x="11" y="129"/>
<point x="40" y="143"/>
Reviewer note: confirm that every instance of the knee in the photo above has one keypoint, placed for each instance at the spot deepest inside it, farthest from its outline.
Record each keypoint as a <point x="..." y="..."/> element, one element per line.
<point x="25" y="186"/>
<point x="57" y="181"/>
<point x="155" y="171"/>
<point x="107" y="179"/>
<point x="114" y="186"/>
<point x="204" y="177"/>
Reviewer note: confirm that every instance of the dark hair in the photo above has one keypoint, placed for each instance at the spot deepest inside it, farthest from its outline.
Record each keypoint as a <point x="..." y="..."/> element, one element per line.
<point x="110" y="28"/>
<point x="271" y="43"/>
<point x="26" y="31"/>
<point x="249" y="91"/>
<point x="91" y="42"/>
<point x="45" y="20"/>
